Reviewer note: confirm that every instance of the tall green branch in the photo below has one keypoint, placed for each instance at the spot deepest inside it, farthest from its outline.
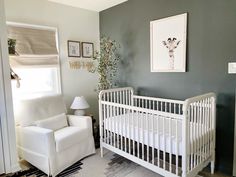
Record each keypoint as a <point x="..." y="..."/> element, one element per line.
<point x="107" y="59"/>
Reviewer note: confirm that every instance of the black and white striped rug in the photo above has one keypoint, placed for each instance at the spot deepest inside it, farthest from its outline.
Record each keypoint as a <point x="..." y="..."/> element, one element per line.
<point x="34" y="172"/>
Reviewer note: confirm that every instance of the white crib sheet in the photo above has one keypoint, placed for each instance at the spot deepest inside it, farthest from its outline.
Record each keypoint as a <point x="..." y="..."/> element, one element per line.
<point x="129" y="127"/>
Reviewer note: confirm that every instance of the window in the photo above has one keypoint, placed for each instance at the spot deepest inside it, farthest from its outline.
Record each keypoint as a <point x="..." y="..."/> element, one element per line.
<point x="36" y="82"/>
<point x="36" y="60"/>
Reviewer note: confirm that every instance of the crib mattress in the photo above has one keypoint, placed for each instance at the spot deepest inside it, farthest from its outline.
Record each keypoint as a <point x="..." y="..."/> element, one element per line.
<point x="161" y="133"/>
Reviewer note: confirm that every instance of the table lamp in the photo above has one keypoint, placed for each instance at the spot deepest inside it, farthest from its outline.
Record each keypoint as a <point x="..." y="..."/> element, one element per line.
<point x="79" y="105"/>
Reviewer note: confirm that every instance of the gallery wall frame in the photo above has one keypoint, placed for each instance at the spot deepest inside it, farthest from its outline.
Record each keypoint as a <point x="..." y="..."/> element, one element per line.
<point x="168" y="44"/>
<point x="87" y="49"/>
<point x="74" y="48"/>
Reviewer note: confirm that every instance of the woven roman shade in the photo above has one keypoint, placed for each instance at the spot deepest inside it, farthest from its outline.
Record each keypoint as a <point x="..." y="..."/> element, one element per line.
<point x="34" y="47"/>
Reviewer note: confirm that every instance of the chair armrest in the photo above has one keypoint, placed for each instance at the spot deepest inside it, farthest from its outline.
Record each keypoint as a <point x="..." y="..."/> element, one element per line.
<point x="84" y="122"/>
<point x="36" y="139"/>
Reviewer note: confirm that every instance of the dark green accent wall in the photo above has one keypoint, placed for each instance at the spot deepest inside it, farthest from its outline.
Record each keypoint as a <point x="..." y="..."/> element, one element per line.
<point x="211" y="45"/>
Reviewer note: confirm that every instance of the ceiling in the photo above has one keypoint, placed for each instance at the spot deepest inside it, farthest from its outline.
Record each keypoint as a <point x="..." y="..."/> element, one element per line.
<point x="94" y="5"/>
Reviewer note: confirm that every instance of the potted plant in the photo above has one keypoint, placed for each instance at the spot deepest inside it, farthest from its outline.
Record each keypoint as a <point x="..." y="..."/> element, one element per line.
<point x="107" y="59"/>
<point x="11" y="46"/>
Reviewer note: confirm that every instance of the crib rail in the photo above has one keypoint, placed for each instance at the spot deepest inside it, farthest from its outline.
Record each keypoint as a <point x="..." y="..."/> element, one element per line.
<point x="159" y="104"/>
<point x="199" y="133"/>
<point x="117" y="95"/>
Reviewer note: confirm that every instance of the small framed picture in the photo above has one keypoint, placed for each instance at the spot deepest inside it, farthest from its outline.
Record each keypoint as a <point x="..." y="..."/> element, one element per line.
<point x="74" y="49"/>
<point x="87" y="49"/>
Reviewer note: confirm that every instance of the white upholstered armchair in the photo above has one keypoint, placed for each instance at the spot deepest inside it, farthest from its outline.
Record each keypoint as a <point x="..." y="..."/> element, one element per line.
<point x="48" y="138"/>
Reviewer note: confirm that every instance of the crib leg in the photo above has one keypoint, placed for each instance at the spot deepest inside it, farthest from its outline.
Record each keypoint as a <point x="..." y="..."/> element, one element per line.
<point x="101" y="150"/>
<point x="213" y="163"/>
<point x="212" y="167"/>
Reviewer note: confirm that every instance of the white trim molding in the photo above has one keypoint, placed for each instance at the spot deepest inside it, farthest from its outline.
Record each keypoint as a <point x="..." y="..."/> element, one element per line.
<point x="6" y="109"/>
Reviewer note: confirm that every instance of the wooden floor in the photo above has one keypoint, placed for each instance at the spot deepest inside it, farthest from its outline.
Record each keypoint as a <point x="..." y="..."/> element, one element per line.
<point x="203" y="174"/>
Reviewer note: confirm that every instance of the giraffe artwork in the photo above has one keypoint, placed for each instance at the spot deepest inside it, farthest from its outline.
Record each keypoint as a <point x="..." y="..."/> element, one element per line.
<point x="171" y="44"/>
<point x="168" y="44"/>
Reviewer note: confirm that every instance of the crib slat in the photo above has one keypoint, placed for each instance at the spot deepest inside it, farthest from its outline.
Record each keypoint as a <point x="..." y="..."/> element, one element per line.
<point x="126" y="97"/>
<point x="208" y="125"/>
<point x="206" y="120"/>
<point x="170" y="154"/>
<point x="192" y="132"/>
<point x="105" y="123"/>
<point x="133" y="123"/>
<point x="199" y="126"/>
<point x="110" y="125"/>
<point x="165" y="106"/>
<point x="204" y="124"/>
<point x="147" y="126"/>
<point x="158" y="142"/>
<point x="196" y="138"/>
<point x="203" y="131"/>
<point x="200" y="131"/>
<point x="118" y="123"/>
<point x="210" y="130"/>
<point x="125" y="126"/>
<point x="211" y="125"/>
<point x="114" y="125"/>
<point x="195" y="135"/>
<point x="129" y="129"/>
<point x="143" y="139"/>
<point x="213" y="109"/>
<point x="153" y="138"/>
<point x="122" y="118"/>
<point x="177" y="148"/>
<point x="138" y="135"/>
<point x="164" y="144"/>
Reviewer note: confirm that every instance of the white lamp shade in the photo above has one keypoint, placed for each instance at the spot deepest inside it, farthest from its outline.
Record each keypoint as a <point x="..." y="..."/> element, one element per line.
<point x="79" y="103"/>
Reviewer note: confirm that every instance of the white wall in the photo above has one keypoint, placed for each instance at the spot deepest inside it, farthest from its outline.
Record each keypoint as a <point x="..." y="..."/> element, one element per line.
<point x="73" y="24"/>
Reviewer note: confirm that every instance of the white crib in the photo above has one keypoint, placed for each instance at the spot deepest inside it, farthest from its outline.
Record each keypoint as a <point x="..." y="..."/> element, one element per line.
<point x="170" y="137"/>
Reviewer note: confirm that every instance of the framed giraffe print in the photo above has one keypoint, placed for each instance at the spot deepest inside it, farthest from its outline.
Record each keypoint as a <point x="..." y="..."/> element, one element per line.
<point x="168" y="44"/>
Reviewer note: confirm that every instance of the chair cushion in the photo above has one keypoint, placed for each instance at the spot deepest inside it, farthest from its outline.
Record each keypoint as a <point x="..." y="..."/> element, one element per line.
<point x="69" y="136"/>
<point x="53" y="123"/>
<point x="28" y="111"/>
